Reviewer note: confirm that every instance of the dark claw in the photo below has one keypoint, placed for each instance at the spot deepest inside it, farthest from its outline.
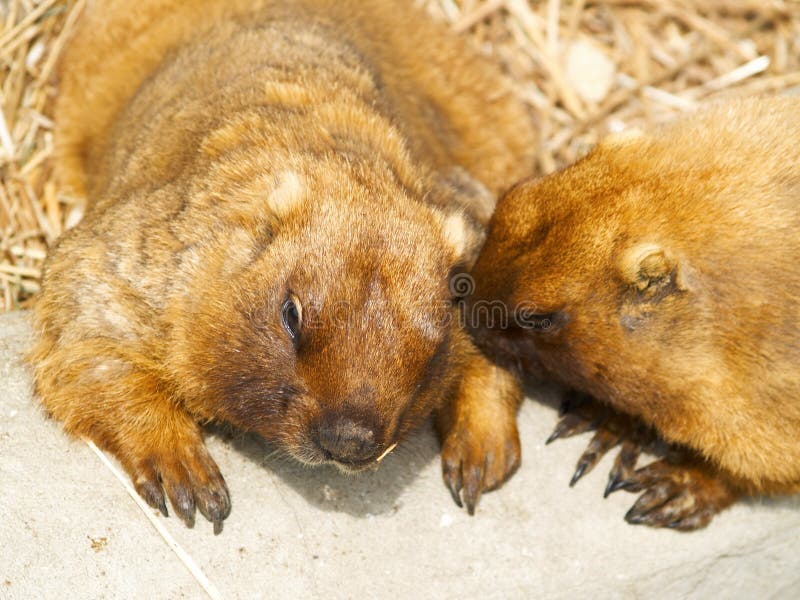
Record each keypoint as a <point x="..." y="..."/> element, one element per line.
<point x="634" y="517"/>
<point x="651" y="518"/>
<point x="582" y="466"/>
<point x="570" y="425"/>
<point x="188" y="520"/>
<point x="153" y="495"/>
<point x="614" y="484"/>
<point x="217" y="527"/>
<point x="644" y="512"/>
<point x="183" y="503"/>
<point x="453" y="483"/>
<point x="456" y="496"/>
<point x="601" y="443"/>
<point x="654" y="507"/>
<point x="622" y="474"/>
<point x="632" y="485"/>
<point x="215" y="505"/>
<point x="472" y="488"/>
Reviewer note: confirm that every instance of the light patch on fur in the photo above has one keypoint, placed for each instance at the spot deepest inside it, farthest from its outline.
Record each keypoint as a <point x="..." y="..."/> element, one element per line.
<point x="456" y="234"/>
<point x="288" y="194"/>
<point x="239" y="250"/>
<point x="113" y="316"/>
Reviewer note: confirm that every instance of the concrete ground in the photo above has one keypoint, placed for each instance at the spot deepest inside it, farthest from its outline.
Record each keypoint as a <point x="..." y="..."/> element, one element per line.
<point x="69" y="529"/>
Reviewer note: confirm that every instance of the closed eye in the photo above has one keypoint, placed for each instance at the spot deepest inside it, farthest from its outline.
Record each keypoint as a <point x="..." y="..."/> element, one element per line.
<point x="537" y="322"/>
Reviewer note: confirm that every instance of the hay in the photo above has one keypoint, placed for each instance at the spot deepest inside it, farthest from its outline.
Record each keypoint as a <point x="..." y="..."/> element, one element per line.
<point x="584" y="68"/>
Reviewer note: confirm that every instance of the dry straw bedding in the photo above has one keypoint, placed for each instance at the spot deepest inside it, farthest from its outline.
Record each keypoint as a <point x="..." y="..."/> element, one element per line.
<point x="584" y="68"/>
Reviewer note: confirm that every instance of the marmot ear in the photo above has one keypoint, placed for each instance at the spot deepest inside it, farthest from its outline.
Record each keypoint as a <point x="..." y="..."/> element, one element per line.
<point x="456" y="233"/>
<point x="649" y="268"/>
<point x="465" y="226"/>
<point x="288" y="192"/>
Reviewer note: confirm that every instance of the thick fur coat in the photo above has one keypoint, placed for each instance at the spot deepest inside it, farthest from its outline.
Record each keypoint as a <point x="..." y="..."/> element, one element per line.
<point x="277" y="194"/>
<point x="666" y="265"/>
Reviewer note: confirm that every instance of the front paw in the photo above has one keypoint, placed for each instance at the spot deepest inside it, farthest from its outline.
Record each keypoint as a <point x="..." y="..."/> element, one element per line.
<point x="680" y="492"/>
<point x="190" y="478"/>
<point x="478" y="457"/>
<point x="684" y="495"/>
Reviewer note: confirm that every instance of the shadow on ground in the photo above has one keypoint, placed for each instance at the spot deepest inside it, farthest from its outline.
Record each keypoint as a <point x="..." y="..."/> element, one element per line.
<point x="362" y="494"/>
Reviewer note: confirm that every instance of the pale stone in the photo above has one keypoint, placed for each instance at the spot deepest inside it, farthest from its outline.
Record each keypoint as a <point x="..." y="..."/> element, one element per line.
<point x="69" y="530"/>
<point x="589" y="70"/>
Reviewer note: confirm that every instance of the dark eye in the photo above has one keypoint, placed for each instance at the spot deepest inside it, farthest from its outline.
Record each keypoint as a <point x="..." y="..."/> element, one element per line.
<point x="292" y="316"/>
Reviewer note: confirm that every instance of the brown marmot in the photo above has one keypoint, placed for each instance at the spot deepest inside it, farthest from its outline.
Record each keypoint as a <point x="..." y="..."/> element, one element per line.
<point x="277" y="195"/>
<point x="661" y="275"/>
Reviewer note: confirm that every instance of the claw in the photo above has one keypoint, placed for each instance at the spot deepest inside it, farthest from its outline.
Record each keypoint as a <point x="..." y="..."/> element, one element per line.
<point x="217" y="527"/>
<point x="452" y="480"/>
<point x="187" y="478"/>
<point x="570" y="425"/>
<point x="152" y="494"/>
<point x="214" y="504"/>
<point x="638" y="515"/>
<point x="669" y="505"/>
<point x="456" y="495"/>
<point x="473" y="486"/>
<point x="601" y="443"/>
<point x="622" y="474"/>
<point x="582" y="466"/>
<point x="634" y="517"/>
<point x="182" y="500"/>
<point x="614" y="484"/>
<point x="470" y="468"/>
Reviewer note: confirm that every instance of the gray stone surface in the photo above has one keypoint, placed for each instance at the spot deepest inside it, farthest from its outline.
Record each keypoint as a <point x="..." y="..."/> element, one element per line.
<point x="69" y="530"/>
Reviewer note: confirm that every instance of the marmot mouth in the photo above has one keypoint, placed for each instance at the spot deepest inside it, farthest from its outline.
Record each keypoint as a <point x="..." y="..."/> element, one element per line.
<point x="363" y="465"/>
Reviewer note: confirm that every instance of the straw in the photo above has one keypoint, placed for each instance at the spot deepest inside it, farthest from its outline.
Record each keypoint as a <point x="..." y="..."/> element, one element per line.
<point x="583" y="67"/>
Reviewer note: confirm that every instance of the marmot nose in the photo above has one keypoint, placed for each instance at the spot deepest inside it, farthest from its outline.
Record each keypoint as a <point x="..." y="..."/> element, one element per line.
<point x="347" y="441"/>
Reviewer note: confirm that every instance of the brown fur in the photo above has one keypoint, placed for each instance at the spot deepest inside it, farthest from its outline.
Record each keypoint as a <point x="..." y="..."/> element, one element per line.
<point x="669" y="264"/>
<point x="233" y="153"/>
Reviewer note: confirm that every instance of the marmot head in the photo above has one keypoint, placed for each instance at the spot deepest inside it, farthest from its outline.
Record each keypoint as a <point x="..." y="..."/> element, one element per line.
<point x="332" y="330"/>
<point x="580" y="275"/>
